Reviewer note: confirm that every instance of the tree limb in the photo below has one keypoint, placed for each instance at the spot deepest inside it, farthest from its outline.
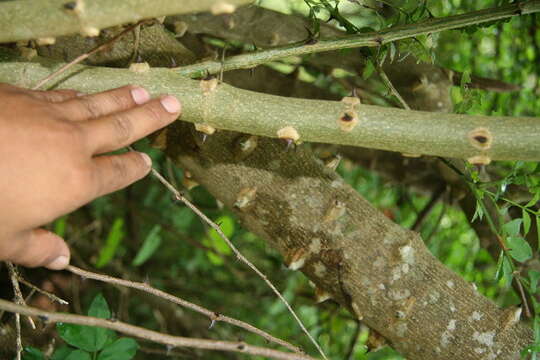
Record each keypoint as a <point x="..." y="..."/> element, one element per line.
<point x="228" y="108"/>
<point x="27" y="19"/>
<point x="382" y="273"/>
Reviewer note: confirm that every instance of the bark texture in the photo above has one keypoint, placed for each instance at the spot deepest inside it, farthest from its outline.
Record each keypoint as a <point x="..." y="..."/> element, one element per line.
<point x="381" y="272"/>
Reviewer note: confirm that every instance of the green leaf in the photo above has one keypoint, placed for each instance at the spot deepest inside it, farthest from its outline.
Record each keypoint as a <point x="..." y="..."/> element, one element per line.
<point x="526" y="221"/>
<point x="116" y="234"/>
<point x="499" y="271"/>
<point x="538" y="229"/>
<point x="534" y="276"/>
<point x="60" y="226"/>
<point x="534" y="200"/>
<point x="226" y="223"/>
<point x="88" y="338"/>
<point x="99" y="308"/>
<point x="520" y="249"/>
<point x="465" y="79"/>
<point x="214" y="259"/>
<point x="62" y="353"/>
<point x="512" y="227"/>
<point x="508" y="273"/>
<point x="31" y="353"/>
<point x="79" y="355"/>
<point x="478" y="212"/>
<point x="368" y="70"/>
<point x="121" y="349"/>
<point x="150" y="245"/>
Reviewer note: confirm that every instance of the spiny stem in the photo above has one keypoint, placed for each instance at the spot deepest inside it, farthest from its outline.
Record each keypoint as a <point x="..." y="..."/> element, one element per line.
<point x="373" y="39"/>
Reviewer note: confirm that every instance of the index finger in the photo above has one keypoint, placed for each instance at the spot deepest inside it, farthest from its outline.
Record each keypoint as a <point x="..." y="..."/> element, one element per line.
<point x="120" y="129"/>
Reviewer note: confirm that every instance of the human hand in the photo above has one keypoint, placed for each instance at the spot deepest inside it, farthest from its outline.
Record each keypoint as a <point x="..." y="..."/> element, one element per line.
<point x="49" y="163"/>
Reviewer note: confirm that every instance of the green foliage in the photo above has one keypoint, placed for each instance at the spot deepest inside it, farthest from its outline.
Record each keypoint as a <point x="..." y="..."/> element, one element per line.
<point x="88" y="342"/>
<point x="116" y="234"/>
<point x="150" y="245"/>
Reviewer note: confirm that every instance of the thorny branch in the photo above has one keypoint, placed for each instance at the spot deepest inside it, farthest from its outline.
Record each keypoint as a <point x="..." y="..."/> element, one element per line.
<point x="155" y="336"/>
<point x="212" y="315"/>
<point x="250" y="60"/>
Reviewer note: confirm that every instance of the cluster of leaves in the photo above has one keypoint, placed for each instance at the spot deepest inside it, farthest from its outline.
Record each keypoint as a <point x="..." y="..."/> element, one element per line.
<point x="88" y="342"/>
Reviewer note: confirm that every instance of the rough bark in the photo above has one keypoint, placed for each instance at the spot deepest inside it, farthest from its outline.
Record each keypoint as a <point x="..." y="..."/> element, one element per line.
<point x="382" y="273"/>
<point x="228" y="108"/>
<point x="28" y="19"/>
<point x="157" y="47"/>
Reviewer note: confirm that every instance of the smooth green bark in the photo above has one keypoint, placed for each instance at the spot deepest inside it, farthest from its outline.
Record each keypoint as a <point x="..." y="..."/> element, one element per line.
<point x="226" y="107"/>
<point x="30" y="19"/>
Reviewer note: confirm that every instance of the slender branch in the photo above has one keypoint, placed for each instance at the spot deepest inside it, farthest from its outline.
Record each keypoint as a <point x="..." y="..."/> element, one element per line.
<point x="392" y="88"/>
<point x="372" y="39"/>
<point x="238" y="254"/>
<point x="18" y="18"/>
<point x="51" y="296"/>
<point x="212" y="315"/>
<point x="84" y="56"/>
<point x="155" y="336"/>
<point x="19" y="300"/>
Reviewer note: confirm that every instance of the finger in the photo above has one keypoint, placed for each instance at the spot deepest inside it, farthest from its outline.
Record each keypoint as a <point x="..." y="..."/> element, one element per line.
<point x="104" y="103"/>
<point x="55" y="96"/>
<point x="40" y="247"/>
<point x="115" y="131"/>
<point x="115" y="172"/>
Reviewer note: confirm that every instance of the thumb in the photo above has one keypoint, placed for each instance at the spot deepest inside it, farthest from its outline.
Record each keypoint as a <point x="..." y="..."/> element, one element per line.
<point x="40" y="247"/>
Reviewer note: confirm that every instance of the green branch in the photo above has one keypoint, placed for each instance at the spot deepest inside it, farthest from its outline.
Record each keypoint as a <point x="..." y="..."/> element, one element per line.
<point x="229" y="108"/>
<point x="250" y="60"/>
<point x="29" y="19"/>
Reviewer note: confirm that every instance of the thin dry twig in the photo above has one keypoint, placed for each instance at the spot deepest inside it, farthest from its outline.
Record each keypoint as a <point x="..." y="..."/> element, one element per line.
<point x="212" y="315"/>
<point x="51" y="296"/>
<point x="169" y="340"/>
<point x="238" y="254"/>
<point x="392" y="89"/>
<point x="19" y="300"/>
<point x="84" y="56"/>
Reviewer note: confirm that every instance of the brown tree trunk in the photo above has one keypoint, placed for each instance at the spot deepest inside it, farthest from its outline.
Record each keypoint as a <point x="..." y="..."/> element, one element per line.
<point x="381" y="272"/>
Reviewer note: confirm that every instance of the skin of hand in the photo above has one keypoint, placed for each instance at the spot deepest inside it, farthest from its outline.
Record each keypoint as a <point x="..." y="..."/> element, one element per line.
<point x="53" y="159"/>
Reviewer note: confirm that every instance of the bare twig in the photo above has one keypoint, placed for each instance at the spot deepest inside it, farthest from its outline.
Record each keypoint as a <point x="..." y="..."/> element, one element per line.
<point x="522" y="294"/>
<point x="213" y="316"/>
<point x="155" y="336"/>
<point x="84" y="56"/>
<point x="238" y="254"/>
<point x="19" y="300"/>
<point x="392" y="89"/>
<point x="43" y="292"/>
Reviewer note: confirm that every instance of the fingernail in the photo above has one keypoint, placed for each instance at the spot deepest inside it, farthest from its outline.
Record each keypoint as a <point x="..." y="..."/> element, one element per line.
<point x="139" y="95"/>
<point x="171" y="104"/>
<point x="146" y="159"/>
<point x="59" y="263"/>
